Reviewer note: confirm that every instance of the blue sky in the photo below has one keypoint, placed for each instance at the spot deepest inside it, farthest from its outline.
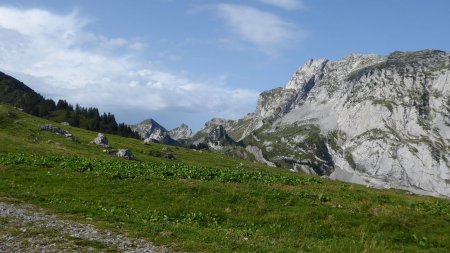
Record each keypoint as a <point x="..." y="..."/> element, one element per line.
<point x="188" y="61"/>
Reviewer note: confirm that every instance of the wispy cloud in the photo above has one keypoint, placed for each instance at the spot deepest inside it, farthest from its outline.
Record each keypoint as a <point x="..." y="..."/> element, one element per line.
<point x="60" y="58"/>
<point x="264" y="29"/>
<point x="285" y="4"/>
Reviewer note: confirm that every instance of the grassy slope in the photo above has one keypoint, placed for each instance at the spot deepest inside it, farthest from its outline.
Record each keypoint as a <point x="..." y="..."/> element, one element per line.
<point x="194" y="207"/>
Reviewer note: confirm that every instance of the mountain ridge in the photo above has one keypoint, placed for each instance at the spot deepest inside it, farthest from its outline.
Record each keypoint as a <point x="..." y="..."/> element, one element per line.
<point x="370" y="119"/>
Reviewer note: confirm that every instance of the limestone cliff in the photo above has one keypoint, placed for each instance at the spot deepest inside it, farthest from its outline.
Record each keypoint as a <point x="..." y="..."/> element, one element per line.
<point x="377" y="120"/>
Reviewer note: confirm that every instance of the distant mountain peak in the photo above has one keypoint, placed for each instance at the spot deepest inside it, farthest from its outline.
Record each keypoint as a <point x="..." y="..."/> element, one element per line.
<point x="152" y="131"/>
<point x="180" y="133"/>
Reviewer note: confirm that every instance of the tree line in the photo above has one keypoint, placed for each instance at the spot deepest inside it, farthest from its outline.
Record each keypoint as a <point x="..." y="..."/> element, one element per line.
<point x="19" y="95"/>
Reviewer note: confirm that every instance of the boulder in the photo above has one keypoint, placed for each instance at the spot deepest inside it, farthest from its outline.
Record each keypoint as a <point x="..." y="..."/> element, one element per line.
<point x="125" y="153"/>
<point x="69" y="136"/>
<point x="101" y="140"/>
<point x="58" y="131"/>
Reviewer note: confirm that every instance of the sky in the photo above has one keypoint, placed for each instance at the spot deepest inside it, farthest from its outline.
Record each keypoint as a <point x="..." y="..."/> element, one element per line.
<point x="187" y="61"/>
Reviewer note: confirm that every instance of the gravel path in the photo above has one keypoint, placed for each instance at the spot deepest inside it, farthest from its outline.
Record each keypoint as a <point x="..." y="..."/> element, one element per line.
<point x="25" y="228"/>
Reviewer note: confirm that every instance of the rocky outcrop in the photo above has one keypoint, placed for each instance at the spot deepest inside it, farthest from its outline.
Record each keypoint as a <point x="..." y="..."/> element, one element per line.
<point x="259" y="157"/>
<point x="151" y="131"/>
<point x="218" y="138"/>
<point x="182" y="132"/>
<point x="101" y="140"/>
<point x="210" y="126"/>
<point x="217" y="134"/>
<point x="58" y="131"/>
<point x="383" y="121"/>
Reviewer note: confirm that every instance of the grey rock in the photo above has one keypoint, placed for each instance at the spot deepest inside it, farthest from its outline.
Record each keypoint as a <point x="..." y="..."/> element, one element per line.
<point x="125" y="153"/>
<point x="69" y="136"/>
<point x="58" y="131"/>
<point x="218" y="138"/>
<point x="259" y="155"/>
<point x="101" y="140"/>
<point x="217" y="134"/>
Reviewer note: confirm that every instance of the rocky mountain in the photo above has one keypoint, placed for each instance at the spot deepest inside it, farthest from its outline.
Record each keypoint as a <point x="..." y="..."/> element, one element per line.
<point x="214" y="135"/>
<point x="378" y="120"/>
<point x="181" y="133"/>
<point x="218" y="138"/>
<point x="212" y="124"/>
<point x="152" y="131"/>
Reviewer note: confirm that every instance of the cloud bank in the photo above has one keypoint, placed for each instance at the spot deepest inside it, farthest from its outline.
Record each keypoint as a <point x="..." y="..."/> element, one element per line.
<point x="264" y="29"/>
<point x="285" y="4"/>
<point x="57" y="56"/>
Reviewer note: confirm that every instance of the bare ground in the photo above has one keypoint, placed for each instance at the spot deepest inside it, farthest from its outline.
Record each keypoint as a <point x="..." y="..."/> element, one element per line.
<point x="26" y="228"/>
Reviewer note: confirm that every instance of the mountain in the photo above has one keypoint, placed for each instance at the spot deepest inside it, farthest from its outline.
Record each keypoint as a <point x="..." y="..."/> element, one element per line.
<point x="218" y="138"/>
<point x="16" y="93"/>
<point x="152" y="131"/>
<point x="210" y="126"/>
<point x="214" y="135"/>
<point x="181" y="133"/>
<point x="382" y="121"/>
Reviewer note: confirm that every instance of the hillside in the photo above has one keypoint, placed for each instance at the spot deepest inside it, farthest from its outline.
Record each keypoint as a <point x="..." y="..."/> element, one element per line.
<point x="203" y="201"/>
<point x="16" y="93"/>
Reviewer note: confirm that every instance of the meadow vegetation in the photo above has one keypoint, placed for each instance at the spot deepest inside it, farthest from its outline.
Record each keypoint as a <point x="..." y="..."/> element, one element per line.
<point x="204" y="201"/>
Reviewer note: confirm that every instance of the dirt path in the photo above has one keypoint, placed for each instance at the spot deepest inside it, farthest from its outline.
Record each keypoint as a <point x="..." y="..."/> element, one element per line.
<point x="25" y="228"/>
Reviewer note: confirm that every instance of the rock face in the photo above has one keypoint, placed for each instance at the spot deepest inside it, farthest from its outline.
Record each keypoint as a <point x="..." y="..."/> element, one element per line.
<point x="151" y="131"/>
<point x="210" y="126"/>
<point x="213" y="136"/>
<point x="259" y="157"/>
<point x="218" y="138"/>
<point x="101" y="140"/>
<point x="378" y="120"/>
<point x="181" y="133"/>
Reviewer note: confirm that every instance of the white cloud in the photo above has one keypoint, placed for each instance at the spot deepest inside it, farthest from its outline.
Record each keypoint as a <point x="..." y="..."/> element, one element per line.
<point x="285" y="4"/>
<point x="264" y="29"/>
<point x="57" y="56"/>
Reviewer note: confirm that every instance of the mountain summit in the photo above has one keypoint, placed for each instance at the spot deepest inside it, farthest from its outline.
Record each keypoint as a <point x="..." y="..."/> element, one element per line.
<point x="180" y="133"/>
<point x="378" y="120"/>
<point x="152" y="131"/>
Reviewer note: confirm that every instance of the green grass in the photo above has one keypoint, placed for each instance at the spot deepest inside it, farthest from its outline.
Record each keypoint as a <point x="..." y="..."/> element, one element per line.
<point x="207" y="202"/>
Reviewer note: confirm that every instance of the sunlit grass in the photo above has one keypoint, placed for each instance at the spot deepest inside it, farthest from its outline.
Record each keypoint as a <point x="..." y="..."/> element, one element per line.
<point x="206" y="202"/>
